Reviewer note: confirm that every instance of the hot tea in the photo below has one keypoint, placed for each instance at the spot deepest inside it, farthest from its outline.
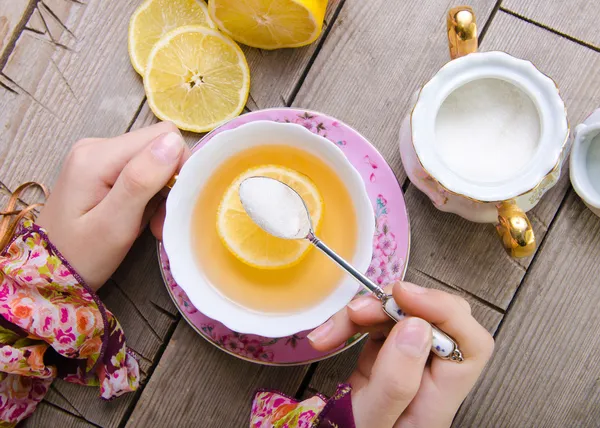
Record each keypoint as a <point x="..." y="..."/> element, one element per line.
<point x="282" y="290"/>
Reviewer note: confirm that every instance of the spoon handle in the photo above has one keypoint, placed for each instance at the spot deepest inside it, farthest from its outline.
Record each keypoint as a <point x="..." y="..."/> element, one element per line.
<point x="442" y="344"/>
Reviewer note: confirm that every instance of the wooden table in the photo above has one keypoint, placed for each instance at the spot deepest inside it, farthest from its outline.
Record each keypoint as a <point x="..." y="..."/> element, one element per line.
<point x="65" y="75"/>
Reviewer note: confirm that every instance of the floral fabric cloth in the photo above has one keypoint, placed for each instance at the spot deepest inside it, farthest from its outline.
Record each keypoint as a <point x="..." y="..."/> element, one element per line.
<point x="53" y="325"/>
<point x="271" y="409"/>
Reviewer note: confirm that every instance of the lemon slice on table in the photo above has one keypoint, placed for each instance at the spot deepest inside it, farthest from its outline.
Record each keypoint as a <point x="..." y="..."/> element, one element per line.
<point x="197" y="78"/>
<point x="154" y="18"/>
<point x="270" y="24"/>
<point x="247" y="241"/>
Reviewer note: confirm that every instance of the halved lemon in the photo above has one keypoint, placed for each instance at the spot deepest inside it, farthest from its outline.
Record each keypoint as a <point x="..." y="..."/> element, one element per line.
<point x="247" y="241"/>
<point x="155" y="18"/>
<point x="269" y="24"/>
<point x="197" y="78"/>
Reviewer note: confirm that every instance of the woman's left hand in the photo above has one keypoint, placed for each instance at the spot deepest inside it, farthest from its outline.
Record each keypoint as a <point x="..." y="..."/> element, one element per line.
<point x="106" y="193"/>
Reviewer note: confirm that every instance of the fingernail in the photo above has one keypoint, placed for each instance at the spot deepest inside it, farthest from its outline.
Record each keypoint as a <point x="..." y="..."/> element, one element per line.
<point x="319" y="333"/>
<point x="361" y="303"/>
<point x="413" y="337"/>
<point x="412" y="288"/>
<point x="168" y="147"/>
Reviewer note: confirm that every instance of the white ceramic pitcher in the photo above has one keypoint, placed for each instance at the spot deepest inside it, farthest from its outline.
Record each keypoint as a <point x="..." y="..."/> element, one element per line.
<point x="521" y="170"/>
<point x="585" y="160"/>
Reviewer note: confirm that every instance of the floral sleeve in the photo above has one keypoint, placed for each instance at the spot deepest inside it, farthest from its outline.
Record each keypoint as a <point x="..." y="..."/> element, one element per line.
<point x="53" y="325"/>
<point x="271" y="409"/>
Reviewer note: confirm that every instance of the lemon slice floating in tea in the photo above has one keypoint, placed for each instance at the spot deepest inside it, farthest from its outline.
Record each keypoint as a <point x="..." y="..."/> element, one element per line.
<point x="247" y="241"/>
<point x="155" y="18"/>
<point x="197" y="78"/>
<point x="270" y="24"/>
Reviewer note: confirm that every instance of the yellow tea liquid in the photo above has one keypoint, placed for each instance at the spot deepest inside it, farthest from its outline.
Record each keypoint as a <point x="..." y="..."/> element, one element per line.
<point x="282" y="290"/>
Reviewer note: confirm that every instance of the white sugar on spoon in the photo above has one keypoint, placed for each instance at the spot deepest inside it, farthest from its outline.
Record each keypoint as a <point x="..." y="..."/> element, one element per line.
<point x="275" y="207"/>
<point x="280" y="210"/>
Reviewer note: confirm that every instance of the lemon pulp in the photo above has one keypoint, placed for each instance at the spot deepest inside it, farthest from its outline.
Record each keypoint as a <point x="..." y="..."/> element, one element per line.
<point x="197" y="78"/>
<point x="155" y="18"/>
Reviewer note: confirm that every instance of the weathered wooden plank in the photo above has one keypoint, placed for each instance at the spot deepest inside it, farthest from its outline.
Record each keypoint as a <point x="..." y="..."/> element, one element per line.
<point x="196" y="384"/>
<point x="12" y="15"/>
<point x="545" y="370"/>
<point x="468" y="255"/>
<point x="575" y="18"/>
<point x="337" y="369"/>
<point x="377" y="55"/>
<point x="55" y="397"/>
<point x="66" y="94"/>
<point x="48" y="415"/>
<point x="140" y="280"/>
<point x="74" y="80"/>
<point x="275" y="74"/>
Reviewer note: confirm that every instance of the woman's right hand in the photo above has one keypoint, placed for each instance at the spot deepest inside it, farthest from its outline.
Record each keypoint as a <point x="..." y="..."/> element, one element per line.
<point x="396" y="384"/>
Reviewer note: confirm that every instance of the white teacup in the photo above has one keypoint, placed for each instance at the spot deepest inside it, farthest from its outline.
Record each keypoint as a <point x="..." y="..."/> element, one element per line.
<point x="177" y="234"/>
<point x="585" y="162"/>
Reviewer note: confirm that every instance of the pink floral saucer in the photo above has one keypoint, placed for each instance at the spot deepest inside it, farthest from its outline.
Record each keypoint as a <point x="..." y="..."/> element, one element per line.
<point x="391" y="242"/>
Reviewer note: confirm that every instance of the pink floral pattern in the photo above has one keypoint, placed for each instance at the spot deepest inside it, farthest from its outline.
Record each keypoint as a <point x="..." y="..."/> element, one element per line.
<point x="386" y="265"/>
<point x="45" y="304"/>
<point x="272" y="409"/>
<point x="247" y="345"/>
<point x="390" y="242"/>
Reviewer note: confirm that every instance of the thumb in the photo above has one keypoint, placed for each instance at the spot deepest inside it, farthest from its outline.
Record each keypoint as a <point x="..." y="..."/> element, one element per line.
<point x="142" y="178"/>
<point x="396" y="374"/>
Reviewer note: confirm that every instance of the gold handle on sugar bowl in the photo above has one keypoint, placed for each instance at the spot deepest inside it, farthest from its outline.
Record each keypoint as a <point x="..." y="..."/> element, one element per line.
<point x="462" y="31"/>
<point x="515" y="231"/>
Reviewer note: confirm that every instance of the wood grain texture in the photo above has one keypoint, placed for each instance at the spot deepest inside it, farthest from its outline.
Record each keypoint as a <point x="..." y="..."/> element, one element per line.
<point x="337" y="369"/>
<point x="468" y="255"/>
<point x="376" y="57"/>
<point x="546" y="370"/>
<point x="66" y="87"/>
<point x="13" y="15"/>
<point x="575" y="18"/>
<point x="139" y="278"/>
<point x="47" y="415"/>
<point x="275" y="74"/>
<point x="196" y="384"/>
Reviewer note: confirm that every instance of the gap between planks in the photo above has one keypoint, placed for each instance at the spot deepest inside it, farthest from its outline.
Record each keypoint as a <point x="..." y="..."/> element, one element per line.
<point x="10" y="45"/>
<point x="159" y="354"/>
<point x="533" y="261"/>
<point x="328" y="26"/>
<point x="60" y="409"/>
<point x="460" y="290"/>
<point x="547" y="28"/>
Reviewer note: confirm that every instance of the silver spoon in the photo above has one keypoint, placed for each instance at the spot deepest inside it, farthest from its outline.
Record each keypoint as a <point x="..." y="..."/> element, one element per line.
<point x="280" y="211"/>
